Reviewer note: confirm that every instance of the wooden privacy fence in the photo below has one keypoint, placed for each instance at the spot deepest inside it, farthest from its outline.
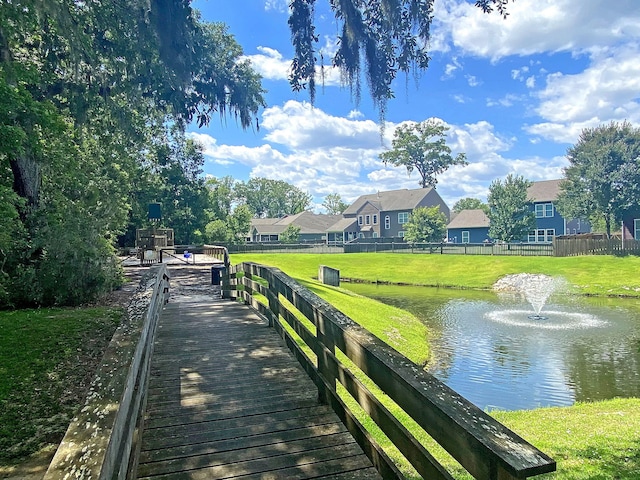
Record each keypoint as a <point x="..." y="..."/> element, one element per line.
<point x="586" y="245"/>
<point x="483" y="446"/>
<point x="101" y="438"/>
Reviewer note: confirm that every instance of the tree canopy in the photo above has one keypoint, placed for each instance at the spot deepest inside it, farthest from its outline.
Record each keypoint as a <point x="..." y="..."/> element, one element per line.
<point x="602" y="181"/>
<point x="426" y="224"/>
<point x="94" y="99"/>
<point x="422" y="147"/>
<point x="510" y="215"/>
<point x="470" y="204"/>
<point x="334" y="205"/>
<point x="378" y="39"/>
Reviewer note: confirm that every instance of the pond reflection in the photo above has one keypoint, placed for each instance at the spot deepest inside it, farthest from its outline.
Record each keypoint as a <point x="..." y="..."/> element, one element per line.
<point x="489" y="349"/>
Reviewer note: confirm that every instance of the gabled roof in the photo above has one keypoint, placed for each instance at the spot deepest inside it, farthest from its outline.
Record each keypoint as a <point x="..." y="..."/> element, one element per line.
<point x="308" y="222"/>
<point x="391" y="200"/>
<point x="475" y="218"/>
<point x="545" y="191"/>
<point x="343" y="225"/>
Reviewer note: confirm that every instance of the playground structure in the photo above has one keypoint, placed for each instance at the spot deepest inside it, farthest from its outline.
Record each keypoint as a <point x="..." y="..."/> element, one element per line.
<point x="150" y="241"/>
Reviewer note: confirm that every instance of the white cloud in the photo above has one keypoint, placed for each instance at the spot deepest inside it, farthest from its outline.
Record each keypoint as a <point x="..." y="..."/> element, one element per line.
<point x="606" y="91"/>
<point x="537" y="26"/>
<point x="322" y="154"/>
<point x="271" y="64"/>
<point x="472" y="80"/>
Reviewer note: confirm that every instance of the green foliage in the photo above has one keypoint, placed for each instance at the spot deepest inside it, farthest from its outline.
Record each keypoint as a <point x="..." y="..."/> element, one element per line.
<point x="334" y="204"/>
<point x="291" y="234"/>
<point x="377" y="39"/>
<point x="422" y="146"/>
<point x="470" y="204"/>
<point x="272" y="198"/>
<point x="510" y="217"/>
<point x="603" y="177"/>
<point x="426" y="224"/>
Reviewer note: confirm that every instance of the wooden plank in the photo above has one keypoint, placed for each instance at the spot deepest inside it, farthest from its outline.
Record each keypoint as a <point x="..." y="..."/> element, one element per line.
<point x="227" y="398"/>
<point x="305" y="464"/>
<point x="272" y="438"/>
<point x="266" y="450"/>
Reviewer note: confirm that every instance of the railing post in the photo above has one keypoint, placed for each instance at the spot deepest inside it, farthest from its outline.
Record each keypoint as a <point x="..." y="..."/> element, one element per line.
<point x="325" y="337"/>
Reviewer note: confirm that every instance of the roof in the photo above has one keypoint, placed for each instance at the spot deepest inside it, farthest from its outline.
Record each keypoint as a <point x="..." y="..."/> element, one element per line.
<point x="475" y="218"/>
<point x="545" y="191"/>
<point x="308" y="222"/>
<point x="391" y="200"/>
<point x="343" y="225"/>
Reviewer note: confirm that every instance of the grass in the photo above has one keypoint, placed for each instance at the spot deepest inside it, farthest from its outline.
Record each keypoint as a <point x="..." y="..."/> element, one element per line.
<point x="47" y="360"/>
<point x="590" y="441"/>
<point x="590" y="275"/>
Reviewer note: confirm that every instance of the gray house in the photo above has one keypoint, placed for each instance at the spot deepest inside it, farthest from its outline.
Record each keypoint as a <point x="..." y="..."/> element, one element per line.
<point x="313" y="227"/>
<point x="383" y="214"/>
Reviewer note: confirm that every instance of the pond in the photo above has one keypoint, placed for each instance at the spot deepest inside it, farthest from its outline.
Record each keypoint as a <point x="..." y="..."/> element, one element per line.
<point x="487" y="348"/>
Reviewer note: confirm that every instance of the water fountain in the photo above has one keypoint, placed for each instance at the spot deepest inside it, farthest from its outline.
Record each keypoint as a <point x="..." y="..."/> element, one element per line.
<point x="535" y="288"/>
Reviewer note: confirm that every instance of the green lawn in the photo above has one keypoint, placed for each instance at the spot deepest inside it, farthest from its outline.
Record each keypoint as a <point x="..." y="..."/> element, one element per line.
<point x="47" y="360"/>
<point x="590" y="441"/>
<point x="592" y="275"/>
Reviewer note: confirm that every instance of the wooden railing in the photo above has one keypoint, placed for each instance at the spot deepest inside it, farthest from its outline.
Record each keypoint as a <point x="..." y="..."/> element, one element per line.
<point x="482" y="445"/>
<point x="101" y="438"/>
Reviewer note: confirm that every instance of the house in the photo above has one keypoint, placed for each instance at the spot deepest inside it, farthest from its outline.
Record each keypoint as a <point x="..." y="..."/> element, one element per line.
<point x="631" y="225"/>
<point x="549" y="222"/>
<point x="469" y="226"/>
<point x="313" y="227"/>
<point x="383" y="214"/>
<point x="472" y="226"/>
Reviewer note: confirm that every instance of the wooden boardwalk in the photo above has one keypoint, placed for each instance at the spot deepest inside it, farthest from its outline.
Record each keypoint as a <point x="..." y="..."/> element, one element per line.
<point x="227" y="400"/>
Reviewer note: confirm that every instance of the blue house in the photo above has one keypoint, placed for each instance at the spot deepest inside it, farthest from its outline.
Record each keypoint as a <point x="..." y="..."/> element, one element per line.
<point x="472" y="226"/>
<point x="469" y="226"/>
<point x="549" y="222"/>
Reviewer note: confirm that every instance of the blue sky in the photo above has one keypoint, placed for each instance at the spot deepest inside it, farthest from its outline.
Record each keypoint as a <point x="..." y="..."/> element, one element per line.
<point x="515" y="93"/>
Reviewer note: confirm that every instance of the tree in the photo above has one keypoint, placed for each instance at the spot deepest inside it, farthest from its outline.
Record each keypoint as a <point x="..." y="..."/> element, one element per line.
<point x="291" y="234"/>
<point x="334" y="205"/>
<point x="510" y="215"/>
<point x="83" y="133"/>
<point x="602" y="181"/>
<point x="272" y="198"/>
<point x="470" y="204"/>
<point x="387" y="37"/>
<point x="426" y="224"/>
<point x="422" y="146"/>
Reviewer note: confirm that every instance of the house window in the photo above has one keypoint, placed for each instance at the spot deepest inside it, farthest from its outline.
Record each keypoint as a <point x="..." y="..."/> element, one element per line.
<point x="544" y="210"/>
<point x="401" y="234"/>
<point x="403" y="217"/>
<point x="359" y="219"/>
<point x="636" y="229"/>
<point x="367" y="219"/>
<point x="375" y="234"/>
<point x="541" y="235"/>
<point x="375" y="219"/>
<point x="465" y="236"/>
<point x="387" y="222"/>
<point x="361" y="235"/>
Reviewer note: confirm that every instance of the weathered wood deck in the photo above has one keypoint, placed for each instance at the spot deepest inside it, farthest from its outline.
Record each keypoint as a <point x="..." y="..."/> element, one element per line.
<point x="226" y="399"/>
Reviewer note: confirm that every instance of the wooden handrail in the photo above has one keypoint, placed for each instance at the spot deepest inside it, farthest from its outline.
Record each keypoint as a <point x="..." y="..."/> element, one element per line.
<point x="484" y="447"/>
<point x="100" y="440"/>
